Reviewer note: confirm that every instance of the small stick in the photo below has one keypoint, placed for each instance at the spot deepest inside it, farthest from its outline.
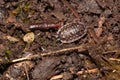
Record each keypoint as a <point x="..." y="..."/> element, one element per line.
<point x="57" y="77"/>
<point x="26" y="71"/>
<point x="114" y="59"/>
<point x="88" y="71"/>
<point x="81" y="48"/>
<point x="78" y="73"/>
<point x="27" y="58"/>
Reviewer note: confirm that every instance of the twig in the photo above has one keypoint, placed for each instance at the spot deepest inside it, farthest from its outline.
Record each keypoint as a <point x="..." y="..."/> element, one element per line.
<point x="81" y="49"/>
<point x="88" y="71"/>
<point x="114" y="59"/>
<point x="78" y="73"/>
<point x="26" y="71"/>
<point x="28" y="57"/>
<point x="57" y="77"/>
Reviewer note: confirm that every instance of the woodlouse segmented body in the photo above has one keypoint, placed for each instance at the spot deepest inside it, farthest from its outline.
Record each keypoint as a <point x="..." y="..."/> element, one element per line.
<point x="71" y="32"/>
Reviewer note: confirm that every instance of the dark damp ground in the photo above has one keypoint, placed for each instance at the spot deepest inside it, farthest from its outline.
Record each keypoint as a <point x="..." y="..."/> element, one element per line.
<point x="16" y="15"/>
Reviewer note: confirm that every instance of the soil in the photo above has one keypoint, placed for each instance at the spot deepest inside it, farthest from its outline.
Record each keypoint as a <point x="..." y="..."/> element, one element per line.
<point x="97" y="58"/>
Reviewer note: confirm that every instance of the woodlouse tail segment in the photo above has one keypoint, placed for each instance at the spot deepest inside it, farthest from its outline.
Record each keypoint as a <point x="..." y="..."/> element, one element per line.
<point x="45" y="26"/>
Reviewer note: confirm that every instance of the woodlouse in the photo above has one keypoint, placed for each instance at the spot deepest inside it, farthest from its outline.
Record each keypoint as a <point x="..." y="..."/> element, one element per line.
<point x="71" y="32"/>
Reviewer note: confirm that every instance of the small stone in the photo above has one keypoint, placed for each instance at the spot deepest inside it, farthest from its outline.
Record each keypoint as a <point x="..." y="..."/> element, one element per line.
<point x="29" y="37"/>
